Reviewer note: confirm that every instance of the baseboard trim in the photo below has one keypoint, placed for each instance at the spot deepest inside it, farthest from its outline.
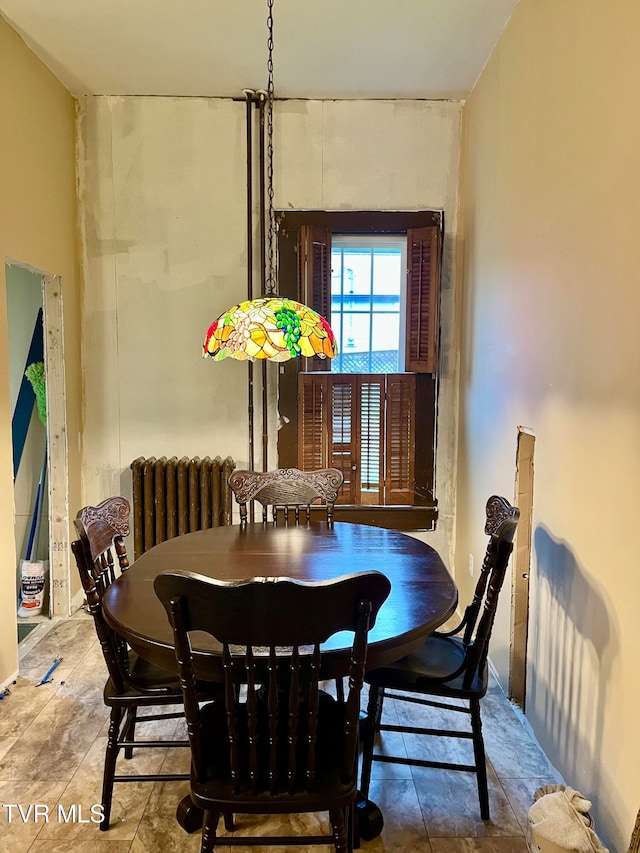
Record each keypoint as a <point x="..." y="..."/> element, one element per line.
<point x="7" y="683"/>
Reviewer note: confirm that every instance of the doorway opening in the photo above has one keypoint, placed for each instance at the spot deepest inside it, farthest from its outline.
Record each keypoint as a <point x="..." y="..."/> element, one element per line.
<point x="34" y="315"/>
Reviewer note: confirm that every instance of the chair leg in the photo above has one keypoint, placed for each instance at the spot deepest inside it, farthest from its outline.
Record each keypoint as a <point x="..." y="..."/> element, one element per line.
<point x="229" y="823"/>
<point x="339" y="829"/>
<point x="374" y="715"/>
<point x="129" y="730"/>
<point x="481" y="762"/>
<point x="354" y="817"/>
<point x="340" y="689"/>
<point x="209" y="829"/>
<point x="351" y="812"/>
<point x="110" y="766"/>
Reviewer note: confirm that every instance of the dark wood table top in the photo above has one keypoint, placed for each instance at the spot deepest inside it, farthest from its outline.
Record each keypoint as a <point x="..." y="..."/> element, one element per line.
<point x="423" y="593"/>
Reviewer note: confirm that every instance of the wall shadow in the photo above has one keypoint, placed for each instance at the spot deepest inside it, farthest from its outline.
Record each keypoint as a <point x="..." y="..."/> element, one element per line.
<point x="579" y="637"/>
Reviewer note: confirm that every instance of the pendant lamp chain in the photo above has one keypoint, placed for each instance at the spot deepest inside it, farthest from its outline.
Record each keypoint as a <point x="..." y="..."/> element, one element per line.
<point x="272" y="278"/>
<point x="269" y="328"/>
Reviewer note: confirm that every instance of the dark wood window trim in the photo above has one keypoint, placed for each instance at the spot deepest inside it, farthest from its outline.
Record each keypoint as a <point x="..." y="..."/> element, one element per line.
<point x="421" y="349"/>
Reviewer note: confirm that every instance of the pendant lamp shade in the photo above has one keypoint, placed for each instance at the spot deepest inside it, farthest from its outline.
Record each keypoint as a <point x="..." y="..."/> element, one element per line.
<point x="269" y="328"/>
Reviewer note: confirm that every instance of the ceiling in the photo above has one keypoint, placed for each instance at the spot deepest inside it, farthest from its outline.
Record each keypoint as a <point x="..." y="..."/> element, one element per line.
<point x="432" y="49"/>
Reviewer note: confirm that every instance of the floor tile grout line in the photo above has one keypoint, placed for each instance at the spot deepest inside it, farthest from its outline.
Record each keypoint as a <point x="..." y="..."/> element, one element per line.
<point x="33" y="638"/>
<point x="53" y="694"/>
<point x="505" y="715"/>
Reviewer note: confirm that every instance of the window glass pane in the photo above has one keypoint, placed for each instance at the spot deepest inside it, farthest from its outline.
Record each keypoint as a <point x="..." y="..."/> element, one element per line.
<point x="387" y="272"/>
<point x="357" y="271"/>
<point x="356" y="329"/>
<point x="367" y="302"/>
<point x="385" y="357"/>
<point x="386" y="303"/>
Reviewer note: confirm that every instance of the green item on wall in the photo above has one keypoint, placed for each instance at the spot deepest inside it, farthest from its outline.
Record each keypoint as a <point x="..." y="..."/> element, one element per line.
<point x="35" y="375"/>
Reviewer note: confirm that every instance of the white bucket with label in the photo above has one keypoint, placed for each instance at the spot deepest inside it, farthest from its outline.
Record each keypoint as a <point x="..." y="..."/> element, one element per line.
<point x="33" y="582"/>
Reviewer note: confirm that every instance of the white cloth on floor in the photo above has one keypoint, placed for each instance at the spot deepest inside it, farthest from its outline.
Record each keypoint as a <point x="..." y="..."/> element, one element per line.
<point x="559" y="823"/>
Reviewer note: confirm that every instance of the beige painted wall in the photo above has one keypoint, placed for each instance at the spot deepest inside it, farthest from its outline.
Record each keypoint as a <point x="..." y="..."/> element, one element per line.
<point x="37" y="228"/>
<point x="551" y="211"/>
<point x="164" y="194"/>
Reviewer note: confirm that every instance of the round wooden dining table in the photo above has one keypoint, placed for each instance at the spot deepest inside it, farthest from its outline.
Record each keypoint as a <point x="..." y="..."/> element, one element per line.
<point x="423" y="593"/>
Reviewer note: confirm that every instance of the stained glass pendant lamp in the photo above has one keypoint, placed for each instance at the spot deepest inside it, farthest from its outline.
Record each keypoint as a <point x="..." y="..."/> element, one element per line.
<point x="271" y="328"/>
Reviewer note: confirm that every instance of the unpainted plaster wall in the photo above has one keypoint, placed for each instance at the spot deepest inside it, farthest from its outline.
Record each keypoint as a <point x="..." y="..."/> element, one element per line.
<point x="163" y="197"/>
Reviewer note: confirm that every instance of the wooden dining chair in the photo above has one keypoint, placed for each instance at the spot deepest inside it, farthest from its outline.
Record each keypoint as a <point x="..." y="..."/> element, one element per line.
<point x="449" y="665"/>
<point x="288" y="747"/>
<point x="289" y="492"/>
<point x="132" y="682"/>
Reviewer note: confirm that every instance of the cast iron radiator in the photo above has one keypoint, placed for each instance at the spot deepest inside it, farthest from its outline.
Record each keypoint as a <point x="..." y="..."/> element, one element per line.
<point x="176" y="496"/>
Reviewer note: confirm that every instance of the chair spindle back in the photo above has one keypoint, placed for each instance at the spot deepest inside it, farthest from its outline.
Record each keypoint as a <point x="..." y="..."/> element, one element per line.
<point x="271" y="633"/>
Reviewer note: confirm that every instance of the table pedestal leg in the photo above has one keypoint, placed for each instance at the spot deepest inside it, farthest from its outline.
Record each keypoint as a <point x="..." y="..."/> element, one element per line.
<point x="368" y="815"/>
<point x="369" y="818"/>
<point x="191" y="817"/>
<point x="188" y="815"/>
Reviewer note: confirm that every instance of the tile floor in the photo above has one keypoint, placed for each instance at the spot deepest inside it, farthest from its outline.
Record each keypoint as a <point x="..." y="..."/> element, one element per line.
<point x="52" y="741"/>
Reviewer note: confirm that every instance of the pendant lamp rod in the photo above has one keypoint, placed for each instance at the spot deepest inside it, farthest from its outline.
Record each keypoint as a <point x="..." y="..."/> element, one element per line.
<point x="267" y="239"/>
<point x="249" y="98"/>
<point x="262" y="97"/>
<point x="272" y="261"/>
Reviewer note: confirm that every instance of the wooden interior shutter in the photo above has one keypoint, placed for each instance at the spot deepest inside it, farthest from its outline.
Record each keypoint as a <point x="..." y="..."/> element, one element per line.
<point x="371" y="468"/>
<point x="314" y="277"/>
<point x="312" y="421"/>
<point x="400" y="438"/>
<point x="328" y="427"/>
<point x="344" y="435"/>
<point x="423" y="299"/>
<point x="425" y="439"/>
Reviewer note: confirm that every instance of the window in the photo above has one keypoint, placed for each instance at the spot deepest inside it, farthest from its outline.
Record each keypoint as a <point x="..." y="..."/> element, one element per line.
<point x="368" y="293"/>
<point x="371" y="411"/>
